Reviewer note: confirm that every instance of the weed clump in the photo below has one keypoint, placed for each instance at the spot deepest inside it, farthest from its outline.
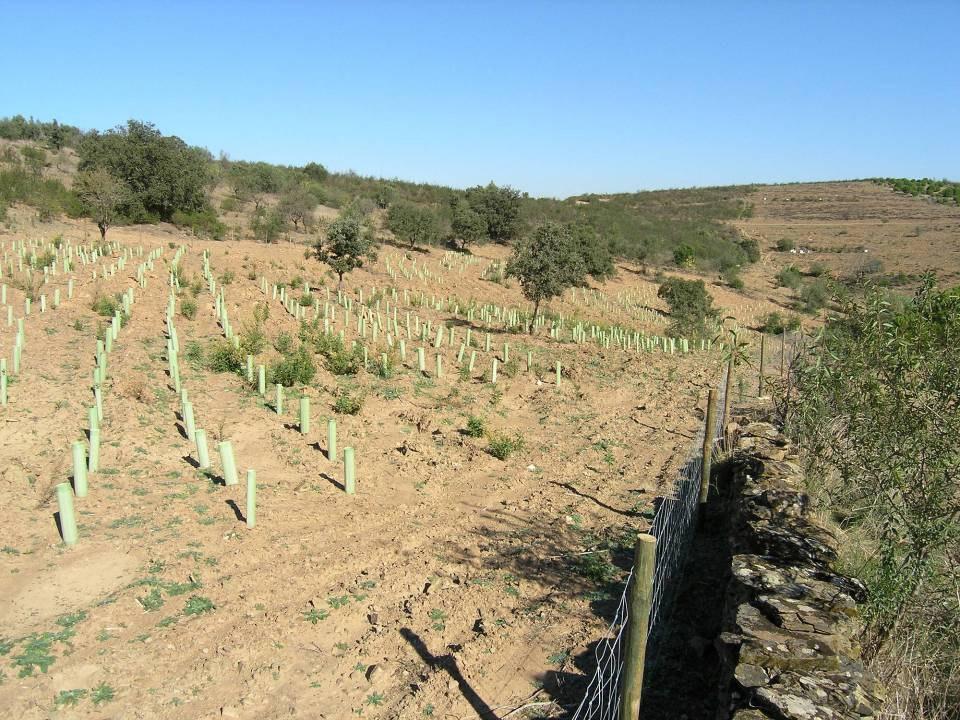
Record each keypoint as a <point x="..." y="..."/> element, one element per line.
<point x="503" y="446"/>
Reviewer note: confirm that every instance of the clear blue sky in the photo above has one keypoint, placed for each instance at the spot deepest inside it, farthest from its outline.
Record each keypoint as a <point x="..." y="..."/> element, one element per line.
<point x="554" y="98"/>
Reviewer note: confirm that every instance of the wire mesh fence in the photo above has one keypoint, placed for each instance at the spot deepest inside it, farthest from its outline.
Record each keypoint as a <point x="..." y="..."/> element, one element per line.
<point x="674" y="525"/>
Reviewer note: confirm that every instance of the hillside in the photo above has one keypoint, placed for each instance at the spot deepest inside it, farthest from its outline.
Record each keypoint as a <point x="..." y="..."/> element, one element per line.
<point x="489" y="537"/>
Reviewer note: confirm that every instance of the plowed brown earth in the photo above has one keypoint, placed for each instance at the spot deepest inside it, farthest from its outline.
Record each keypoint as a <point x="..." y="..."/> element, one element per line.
<point x="453" y="584"/>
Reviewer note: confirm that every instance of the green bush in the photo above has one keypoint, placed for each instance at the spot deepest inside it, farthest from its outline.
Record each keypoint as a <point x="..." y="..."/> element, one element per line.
<point x="230" y="204"/>
<point x="223" y="357"/>
<point x="347" y="404"/>
<point x="294" y="367"/>
<point x="785" y="244"/>
<point x="253" y="340"/>
<point x="384" y="367"/>
<point x="202" y="223"/>
<point x="875" y="411"/>
<point x="503" y="446"/>
<point x="476" y="427"/>
<point x="684" y="256"/>
<point x="188" y="308"/>
<point x="814" y="295"/>
<point x="691" y="307"/>
<point x="789" y="277"/>
<point x="775" y="323"/>
<point x="105" y="305"/>
<point x="731" y="277"/>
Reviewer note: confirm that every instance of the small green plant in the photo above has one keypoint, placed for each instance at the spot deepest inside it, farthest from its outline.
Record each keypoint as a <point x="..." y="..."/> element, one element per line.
<point x="69" y="698"/>
<point x="384" y="368"/>
<point x="313" y="615"/>
<point x="476" y="427"/>
<point x="152" y="600"/>
<point x="222" y="357"/>
<point x="197" y="605"/>
<point x="78" y="325"/>
<point x="227" y="277"/>
<point x="194" y="354"/>
<point x="105" y="305"/>
<point x="503" y="446"/>
<point x="188" y="308"/>
<point x="375" y="699"/>
<point x="347" y="404"/>
<point x="438" y="617"/>
<point x="785" y="244"/>
<point x="102" y="693"/>
<point x="294" y="367"/>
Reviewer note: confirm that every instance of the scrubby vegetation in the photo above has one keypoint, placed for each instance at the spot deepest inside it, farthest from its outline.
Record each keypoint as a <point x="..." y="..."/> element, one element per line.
<point x="691" y="308"/>
<point x="943" y="191"/>
<point x="874" y="407"/>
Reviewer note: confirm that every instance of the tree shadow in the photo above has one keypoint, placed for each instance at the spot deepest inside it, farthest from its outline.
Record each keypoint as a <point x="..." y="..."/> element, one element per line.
<point x="195" y="464"/>
<point x="448" y="663"/>
<point x="591" y="498"/>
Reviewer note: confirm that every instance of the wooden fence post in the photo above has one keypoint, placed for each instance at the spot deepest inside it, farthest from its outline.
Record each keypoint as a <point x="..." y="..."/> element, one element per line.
<point x="709" y="424"/>
<point x="639" y="600"/>
<point x="762" y="353"/>
<point x="726" y="403"/>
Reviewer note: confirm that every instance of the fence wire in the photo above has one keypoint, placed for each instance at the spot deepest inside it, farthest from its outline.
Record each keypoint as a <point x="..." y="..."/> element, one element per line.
<point x="674" y="525"/>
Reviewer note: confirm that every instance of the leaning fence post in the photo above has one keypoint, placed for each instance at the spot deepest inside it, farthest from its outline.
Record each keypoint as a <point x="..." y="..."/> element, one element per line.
<point x="760" y="385"/>
<point x="726" y="403"/>
<point x="639" y="600"/>
<point x="710" y="424"/>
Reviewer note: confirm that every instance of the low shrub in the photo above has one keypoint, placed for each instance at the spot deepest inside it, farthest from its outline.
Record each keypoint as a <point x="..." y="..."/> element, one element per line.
<point x="347" y="404"/>
<point x="789" y="277"/>
<point x="503" y="446"/>
<point x="223" y="357"/>
<point x="105" y="305"/>
<point x="785" y="244"/>
<point x="188" y="308"/>
<point x="476" y="427"/>
<point x="295" y="367"/>
<point x="775" y="323"/>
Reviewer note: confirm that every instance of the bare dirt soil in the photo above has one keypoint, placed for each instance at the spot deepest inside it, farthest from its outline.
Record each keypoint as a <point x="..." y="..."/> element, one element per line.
<point x="851" y="228"/>
<point x="453" y="584"/>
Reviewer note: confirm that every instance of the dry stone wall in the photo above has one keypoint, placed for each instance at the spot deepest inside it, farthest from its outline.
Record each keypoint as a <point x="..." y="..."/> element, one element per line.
<point x="791" y="623"/>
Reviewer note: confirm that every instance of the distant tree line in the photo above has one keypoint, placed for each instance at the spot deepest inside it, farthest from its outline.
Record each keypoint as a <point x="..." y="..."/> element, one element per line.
<point x="148" y="177"/>
<point x="943" y="191"/>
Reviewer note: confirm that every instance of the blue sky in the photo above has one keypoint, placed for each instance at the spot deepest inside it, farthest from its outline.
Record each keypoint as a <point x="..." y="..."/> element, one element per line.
<point x="554" y="98"/>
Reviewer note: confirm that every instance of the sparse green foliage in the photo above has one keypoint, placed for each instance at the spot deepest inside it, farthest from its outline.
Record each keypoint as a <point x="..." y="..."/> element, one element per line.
<point x="103" y="197"/>
<point x="348" y="404"/>
<point x="789" y="277"/>
<point x="223" y="357"/>
<point x="476" y="427"/>
<point x="188" y="308"/>
<point x="546" y="264"/>
<point x="102" y="693"/>
<point x="875" y="409"/>
<point x="197" y="605"/>
<point x="503" y="446"/>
